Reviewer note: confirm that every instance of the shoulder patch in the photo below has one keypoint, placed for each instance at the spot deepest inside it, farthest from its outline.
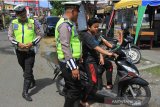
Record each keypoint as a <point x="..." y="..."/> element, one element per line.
<point x="15" y="26"/>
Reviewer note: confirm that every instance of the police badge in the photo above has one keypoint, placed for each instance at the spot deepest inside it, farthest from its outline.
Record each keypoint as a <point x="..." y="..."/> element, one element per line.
<point x="30" y="26"/>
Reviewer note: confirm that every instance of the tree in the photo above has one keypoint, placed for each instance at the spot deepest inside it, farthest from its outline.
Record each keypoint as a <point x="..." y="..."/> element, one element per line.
<point x="58" y="8"/>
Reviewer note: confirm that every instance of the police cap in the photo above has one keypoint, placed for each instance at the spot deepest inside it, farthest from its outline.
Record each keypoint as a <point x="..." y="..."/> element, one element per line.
<point x="71" y="4"/>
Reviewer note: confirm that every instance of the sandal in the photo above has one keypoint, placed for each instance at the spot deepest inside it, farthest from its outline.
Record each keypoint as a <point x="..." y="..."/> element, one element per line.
<point x="108" y="86"/>
<point x="85" y="104"/>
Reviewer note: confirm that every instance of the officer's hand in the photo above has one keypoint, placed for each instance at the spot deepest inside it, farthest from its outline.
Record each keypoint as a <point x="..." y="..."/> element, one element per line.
<point x="75" y="74"/>
<point x="21" y="45"/>
<point x="81" y="60"/>
<point x="28" y="45"/>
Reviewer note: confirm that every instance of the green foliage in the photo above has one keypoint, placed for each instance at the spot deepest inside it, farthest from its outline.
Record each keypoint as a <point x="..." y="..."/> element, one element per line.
<point x="7" y="19"/>
<point x="58" y="8"/>
<point x="154" y="70"/>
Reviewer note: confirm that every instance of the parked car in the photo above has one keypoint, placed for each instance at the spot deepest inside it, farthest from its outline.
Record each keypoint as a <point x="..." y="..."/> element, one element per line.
<point x="50" y="24"/>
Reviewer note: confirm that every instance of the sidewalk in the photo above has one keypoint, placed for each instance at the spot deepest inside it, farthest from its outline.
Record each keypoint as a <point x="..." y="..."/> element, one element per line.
<point x="152" y="55"/>
<point x="150" y="58"/>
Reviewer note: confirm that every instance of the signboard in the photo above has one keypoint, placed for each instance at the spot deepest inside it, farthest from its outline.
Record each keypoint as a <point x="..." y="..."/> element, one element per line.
<point x="82" y="21"/>
<point x="101" y="11"/>
<point x="9" y="7"/>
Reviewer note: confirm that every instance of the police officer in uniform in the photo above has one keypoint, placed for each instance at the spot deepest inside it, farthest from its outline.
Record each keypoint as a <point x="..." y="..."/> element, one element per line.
<point x="25" y="34"/>
<point x="69" y="52"/>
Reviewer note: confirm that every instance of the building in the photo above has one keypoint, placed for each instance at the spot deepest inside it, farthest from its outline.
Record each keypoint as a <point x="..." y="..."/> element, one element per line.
<point x="32" y="7"/>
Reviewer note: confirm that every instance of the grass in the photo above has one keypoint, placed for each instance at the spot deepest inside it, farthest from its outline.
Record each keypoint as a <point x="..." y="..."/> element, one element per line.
<point x="154" y="70"/>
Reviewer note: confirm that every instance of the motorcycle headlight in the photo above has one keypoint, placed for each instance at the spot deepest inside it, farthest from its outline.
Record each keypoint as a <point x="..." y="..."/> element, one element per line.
<point x="129" y="69"/>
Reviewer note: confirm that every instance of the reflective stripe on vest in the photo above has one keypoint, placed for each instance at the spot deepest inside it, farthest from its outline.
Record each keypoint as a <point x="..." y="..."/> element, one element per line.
<point x="75" y="44"/>
<point x="24" y="33"/>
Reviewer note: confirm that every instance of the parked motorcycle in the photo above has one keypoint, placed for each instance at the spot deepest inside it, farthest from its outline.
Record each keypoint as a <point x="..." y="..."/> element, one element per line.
<point x="129" y="87"/>
<point x="132" y="51"/>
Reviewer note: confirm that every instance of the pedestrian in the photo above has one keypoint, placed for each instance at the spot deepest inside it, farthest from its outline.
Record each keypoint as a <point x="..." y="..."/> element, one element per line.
<point x="69" y="52"/>
<point x="25" y="34"/>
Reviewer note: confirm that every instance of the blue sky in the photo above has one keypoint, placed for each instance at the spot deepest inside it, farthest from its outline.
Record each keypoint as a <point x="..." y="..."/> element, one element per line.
<point x="44" y="3"/>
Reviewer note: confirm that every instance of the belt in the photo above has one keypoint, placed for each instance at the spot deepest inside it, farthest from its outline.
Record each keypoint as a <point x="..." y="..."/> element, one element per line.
<point x="26" y="50"/>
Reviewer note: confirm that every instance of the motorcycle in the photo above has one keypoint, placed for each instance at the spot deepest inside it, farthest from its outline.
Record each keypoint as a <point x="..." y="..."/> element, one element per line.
<point x="60" y="83"/>
<point x="129" y="87"/>
<point x="132" y="51"/>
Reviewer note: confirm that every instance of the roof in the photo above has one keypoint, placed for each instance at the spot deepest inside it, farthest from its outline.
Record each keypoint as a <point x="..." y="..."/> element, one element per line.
<point x="127" y="4"/>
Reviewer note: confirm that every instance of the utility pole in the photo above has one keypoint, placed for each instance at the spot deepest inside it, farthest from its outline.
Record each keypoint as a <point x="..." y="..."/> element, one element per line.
<point x="95" y="6"/>
<point x="38" y="8"/>
<point x="48" y="12"/>
<point x="3" y="14"/>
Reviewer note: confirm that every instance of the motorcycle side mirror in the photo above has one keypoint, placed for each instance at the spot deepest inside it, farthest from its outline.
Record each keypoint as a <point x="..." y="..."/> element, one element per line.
<point x="124" y="26"/>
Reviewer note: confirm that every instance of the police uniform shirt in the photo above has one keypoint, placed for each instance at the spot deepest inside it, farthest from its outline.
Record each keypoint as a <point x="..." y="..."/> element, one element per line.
<point x="65" y="31"/>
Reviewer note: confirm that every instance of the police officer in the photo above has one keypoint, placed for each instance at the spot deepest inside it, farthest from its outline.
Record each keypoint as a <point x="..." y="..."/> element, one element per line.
<point x="25" y="34"/>
<point x="69" y="52"/>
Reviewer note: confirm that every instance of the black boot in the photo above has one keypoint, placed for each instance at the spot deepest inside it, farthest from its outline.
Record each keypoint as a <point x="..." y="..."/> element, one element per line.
<point x="25" y="94"/>
<point x="33" y="84"/>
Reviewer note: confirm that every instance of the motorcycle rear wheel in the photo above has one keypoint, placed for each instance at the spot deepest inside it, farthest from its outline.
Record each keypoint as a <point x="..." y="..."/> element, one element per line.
<point x="60" y="84"/>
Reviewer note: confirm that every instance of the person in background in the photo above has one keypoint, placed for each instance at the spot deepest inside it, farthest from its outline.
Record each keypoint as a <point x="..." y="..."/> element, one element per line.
<point x="104" y="62"/>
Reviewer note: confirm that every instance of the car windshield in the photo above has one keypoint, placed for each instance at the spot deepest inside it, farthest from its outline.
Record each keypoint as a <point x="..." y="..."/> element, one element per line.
<point x="52" y="20"/>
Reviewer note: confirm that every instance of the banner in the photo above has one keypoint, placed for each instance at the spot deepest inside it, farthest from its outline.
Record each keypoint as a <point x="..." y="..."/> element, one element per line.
<point x="8" y="7"/>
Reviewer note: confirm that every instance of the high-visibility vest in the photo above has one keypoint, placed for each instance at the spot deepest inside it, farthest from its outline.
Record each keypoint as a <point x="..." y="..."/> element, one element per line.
<point x="75" y="44"/>
<point x="24" y="33"/>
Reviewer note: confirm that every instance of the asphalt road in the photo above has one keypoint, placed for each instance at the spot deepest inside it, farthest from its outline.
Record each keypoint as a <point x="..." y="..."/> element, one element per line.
<point x="11" y="80"/>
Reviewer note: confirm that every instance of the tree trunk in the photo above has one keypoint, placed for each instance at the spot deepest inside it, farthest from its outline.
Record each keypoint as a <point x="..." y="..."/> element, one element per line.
<point x="3" y="14"/>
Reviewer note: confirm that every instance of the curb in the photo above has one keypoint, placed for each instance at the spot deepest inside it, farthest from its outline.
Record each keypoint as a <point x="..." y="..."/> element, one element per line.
<point x="148" y="66"/>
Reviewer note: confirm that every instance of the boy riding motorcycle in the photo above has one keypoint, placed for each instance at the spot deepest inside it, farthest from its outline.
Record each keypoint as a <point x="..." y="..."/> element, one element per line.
<point x="91" y="48"/>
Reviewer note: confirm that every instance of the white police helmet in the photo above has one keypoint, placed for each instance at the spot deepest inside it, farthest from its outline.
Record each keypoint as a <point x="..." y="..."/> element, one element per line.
<point x="19" y="8"/>
<point x="71" y="4"/>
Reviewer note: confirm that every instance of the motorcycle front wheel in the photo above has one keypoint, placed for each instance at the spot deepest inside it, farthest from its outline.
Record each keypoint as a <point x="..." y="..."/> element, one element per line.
<point x="134" y="54"/>
<point x="60" y="84"/>
<point x="136" y="95"/>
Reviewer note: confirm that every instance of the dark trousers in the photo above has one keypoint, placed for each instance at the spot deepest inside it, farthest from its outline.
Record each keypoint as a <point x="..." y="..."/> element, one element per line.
<point x="95" y="71"/>
<point x="72" y="87"/>
<point x="26" y="61"/>
<point x="109" y="70"/>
